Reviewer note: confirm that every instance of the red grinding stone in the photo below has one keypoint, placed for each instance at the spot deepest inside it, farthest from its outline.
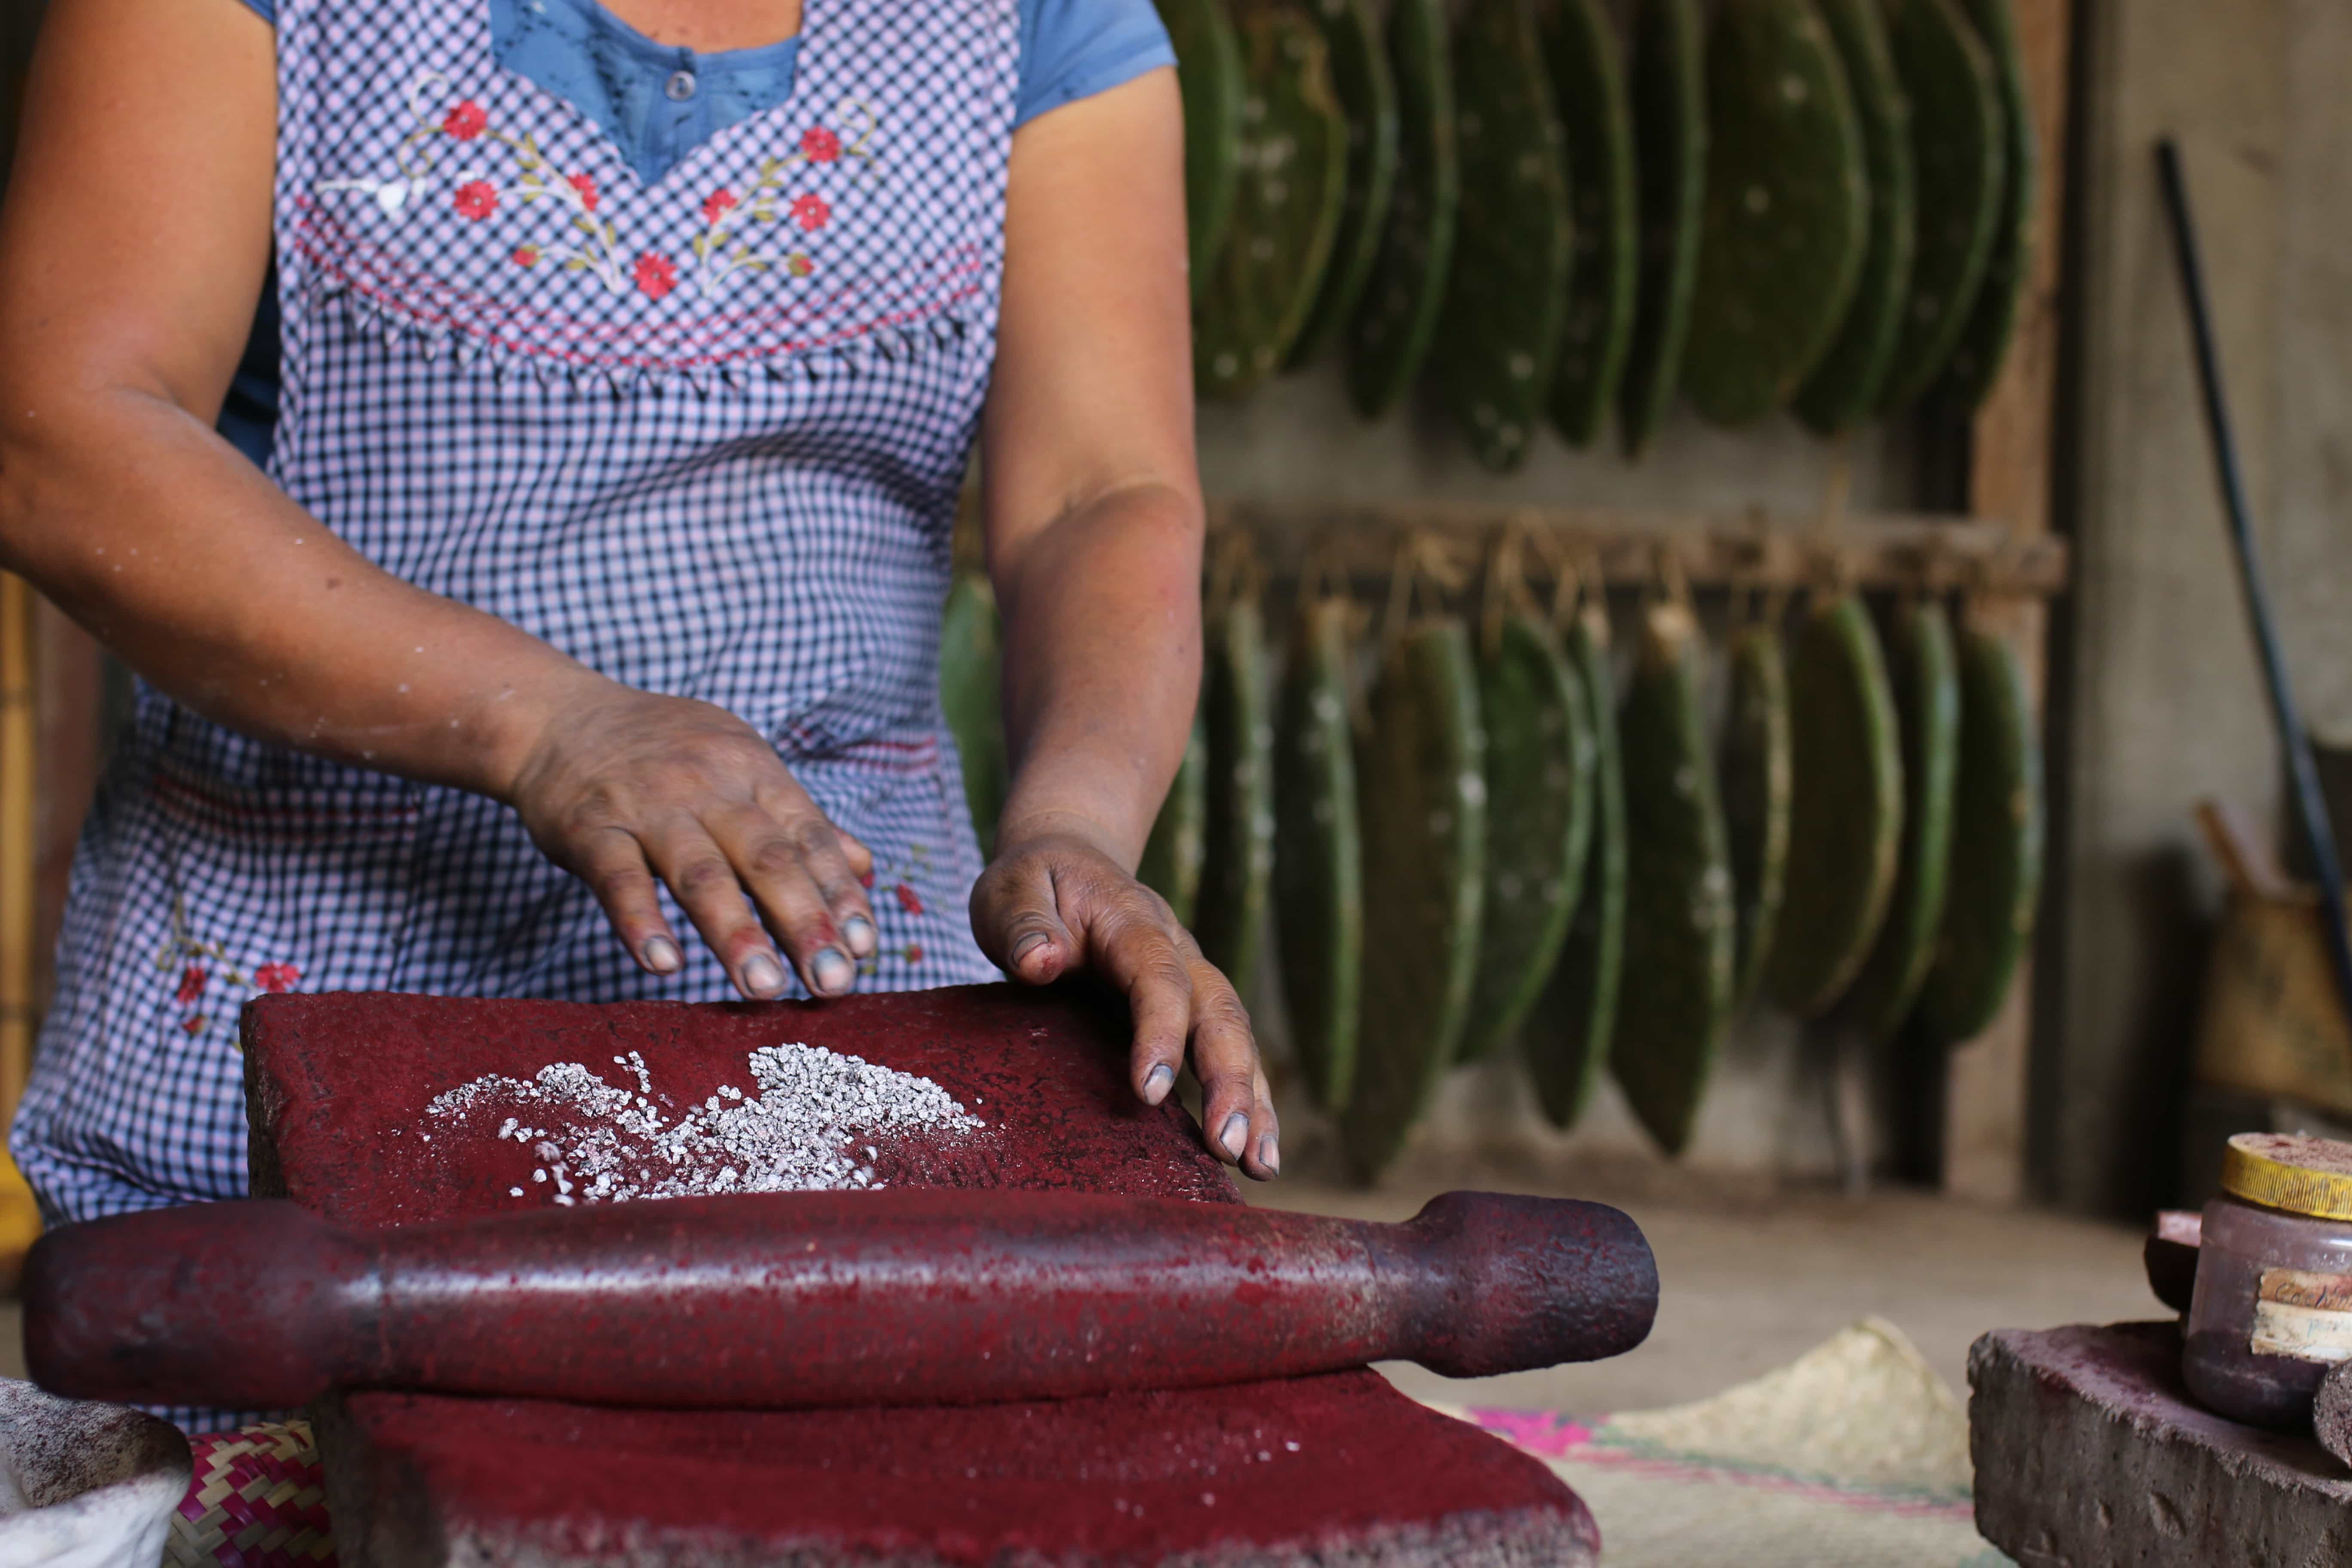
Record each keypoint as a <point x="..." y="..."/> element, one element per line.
<point x="338" y="1087"/>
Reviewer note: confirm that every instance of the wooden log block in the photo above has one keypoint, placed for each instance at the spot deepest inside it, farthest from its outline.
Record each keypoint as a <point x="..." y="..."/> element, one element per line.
<point x="2089" y="1452"/>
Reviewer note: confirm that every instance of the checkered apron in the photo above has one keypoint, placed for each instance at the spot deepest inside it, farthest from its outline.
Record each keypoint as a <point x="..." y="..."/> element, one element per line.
<point x="705" y="436"/>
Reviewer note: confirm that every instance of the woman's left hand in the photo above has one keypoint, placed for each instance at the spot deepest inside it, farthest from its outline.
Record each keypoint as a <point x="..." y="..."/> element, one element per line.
<point x="1056" y="901"/>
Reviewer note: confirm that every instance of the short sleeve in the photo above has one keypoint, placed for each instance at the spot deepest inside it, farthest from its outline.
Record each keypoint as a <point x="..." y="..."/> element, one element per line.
<point x="1074" y="48"/>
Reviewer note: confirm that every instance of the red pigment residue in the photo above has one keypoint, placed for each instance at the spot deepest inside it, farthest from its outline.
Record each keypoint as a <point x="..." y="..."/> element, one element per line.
<point x="1046" y="1071"/>
<point x="1124" y="1477"/>
<point x="336" y="1081"/>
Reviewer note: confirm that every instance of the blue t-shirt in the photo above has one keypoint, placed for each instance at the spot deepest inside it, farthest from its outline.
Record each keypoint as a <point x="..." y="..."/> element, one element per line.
<point x="657" y="103"/>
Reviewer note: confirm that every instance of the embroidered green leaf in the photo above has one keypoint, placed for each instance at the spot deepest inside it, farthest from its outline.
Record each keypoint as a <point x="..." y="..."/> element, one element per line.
<point x="701" y="247"/>
<point x="531" y="176"/>
<point x="764" y="214"/>
<point x="577" y="264"/>
<point x="612" y="235"/>
<point x="584" y="223"/>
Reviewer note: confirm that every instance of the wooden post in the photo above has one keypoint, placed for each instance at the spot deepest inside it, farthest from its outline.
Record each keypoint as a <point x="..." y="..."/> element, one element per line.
<point x="2008" y="477"/>
<point x="19" y="900"/>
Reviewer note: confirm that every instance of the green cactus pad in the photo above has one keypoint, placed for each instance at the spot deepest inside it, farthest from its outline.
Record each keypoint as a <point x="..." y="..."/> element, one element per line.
<point x="1209" y="74"/>
<point x="1498" y="341"/>
<point x="1996" y="876"/>
<point x="1845" y="818"/>
<point x="1787" y="210"/>
<point x="1420" y="772"/>
<point x="1318" y="870"/>
<point x="1976" y="359"/>
<point x="1172" y="855"/>
<point x="971" y="695"/>
<point x="1674" y="1005"/>
<point x="1844" y="387"/>
<point x="1667" y="78"/>
<point x="1756" y="795"/>
<point x="1286" y="210"/>
<point x="1540" y="762"/>
<point x="1566" y="1035"/>
<point x="1389" y="334"/>
<point x="1923" y="666"/>
<point x="1959" y="150"/>
<point x="1367" y="91"/>
<point x="1237" y="855"/>
<point x="1596" y="122"/>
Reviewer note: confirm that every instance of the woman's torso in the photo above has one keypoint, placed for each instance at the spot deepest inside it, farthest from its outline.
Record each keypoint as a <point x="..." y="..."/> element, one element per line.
<point x="702" y="431"/>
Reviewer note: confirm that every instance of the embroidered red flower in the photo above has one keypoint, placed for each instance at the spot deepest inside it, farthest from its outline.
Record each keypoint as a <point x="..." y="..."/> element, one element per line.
<point x="819" y="145"/>
<point x="656" y="275"/>
<point x="799" y="264"/>
<point x="914" y="953"/>
<point x="586" y="186"/>
<point x="476" y="199"/>
<point x="908" y="899"/>
<point x="466" y="121"/>
<point x="717" y="205"/>
<point x="811" y="211"/>
<point x="525" y="255"/>
<point x="276" y="978"/>
<point x="194" y="1026"/>
<point x="192" y="980"/>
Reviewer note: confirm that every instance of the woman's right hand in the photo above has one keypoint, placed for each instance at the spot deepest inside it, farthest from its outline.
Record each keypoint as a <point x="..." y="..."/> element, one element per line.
<point x="628" y="791"/>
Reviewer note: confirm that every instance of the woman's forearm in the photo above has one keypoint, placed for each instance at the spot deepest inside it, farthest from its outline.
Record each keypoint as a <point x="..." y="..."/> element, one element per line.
<point x="1102" y="665"/>
<point x="203" y="577"/>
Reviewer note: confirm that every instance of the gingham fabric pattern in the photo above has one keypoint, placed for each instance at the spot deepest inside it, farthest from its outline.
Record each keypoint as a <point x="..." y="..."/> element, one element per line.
<point x="705" y="435"/>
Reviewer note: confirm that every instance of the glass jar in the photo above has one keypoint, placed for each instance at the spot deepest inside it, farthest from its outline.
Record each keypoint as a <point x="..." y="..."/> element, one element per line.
<point x="2273" y="1311"/>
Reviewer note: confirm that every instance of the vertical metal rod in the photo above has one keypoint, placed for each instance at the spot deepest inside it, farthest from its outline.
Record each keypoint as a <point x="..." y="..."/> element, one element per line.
<point x="2310" y="807"/>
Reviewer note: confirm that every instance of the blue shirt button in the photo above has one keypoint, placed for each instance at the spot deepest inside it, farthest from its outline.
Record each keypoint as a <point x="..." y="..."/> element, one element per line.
<point x="680" y="86"/>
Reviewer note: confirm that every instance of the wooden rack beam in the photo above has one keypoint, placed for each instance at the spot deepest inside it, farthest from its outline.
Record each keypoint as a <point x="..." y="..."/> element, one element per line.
<point x="1755" y="548"/>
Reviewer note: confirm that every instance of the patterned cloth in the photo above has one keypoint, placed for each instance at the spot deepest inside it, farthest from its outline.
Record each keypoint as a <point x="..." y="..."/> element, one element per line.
<point x="258" y="1500"/>
<point x="705" y="435"/>
<point x="1855" y="1456"/>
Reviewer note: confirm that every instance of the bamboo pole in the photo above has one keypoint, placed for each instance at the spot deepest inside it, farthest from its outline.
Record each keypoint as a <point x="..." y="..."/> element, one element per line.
<point x="19" y="880"/>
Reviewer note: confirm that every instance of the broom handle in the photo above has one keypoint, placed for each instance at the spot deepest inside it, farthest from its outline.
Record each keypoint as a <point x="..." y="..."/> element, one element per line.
<point x="2310" y="807"/>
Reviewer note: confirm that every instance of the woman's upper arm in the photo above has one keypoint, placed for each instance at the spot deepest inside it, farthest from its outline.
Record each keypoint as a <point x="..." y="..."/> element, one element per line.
<point x="1093" y="385"/>
<point x="135" y="237"/>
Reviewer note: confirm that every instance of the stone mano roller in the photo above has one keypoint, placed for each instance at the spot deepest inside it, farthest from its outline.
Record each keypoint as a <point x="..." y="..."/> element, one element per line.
<point x="812" y="1299"/>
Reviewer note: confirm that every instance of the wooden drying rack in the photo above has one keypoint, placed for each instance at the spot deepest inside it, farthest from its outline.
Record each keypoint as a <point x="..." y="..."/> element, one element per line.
<point x="1754" y="548"/>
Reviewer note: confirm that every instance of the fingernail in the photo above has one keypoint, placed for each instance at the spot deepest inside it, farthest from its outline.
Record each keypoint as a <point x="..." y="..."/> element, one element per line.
<point x="1027" y="945"/>
<point x="1269" y="1153"/>
<point x="1236" y="1137"/>
<point x="858" y="932"/>
<point x="831" y="971"/>
<point x="762" y="975"/>
<point x="1157" y="1083"/>
<point x="867" y="880"/>
<point x="661" y="955"/>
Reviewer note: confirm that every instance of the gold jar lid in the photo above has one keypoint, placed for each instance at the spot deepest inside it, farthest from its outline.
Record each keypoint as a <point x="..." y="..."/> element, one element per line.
<point x="2291" y="1172"/>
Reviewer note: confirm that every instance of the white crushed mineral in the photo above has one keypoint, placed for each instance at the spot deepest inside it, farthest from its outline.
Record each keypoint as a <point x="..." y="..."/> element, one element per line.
<point x="813" y="1126"/>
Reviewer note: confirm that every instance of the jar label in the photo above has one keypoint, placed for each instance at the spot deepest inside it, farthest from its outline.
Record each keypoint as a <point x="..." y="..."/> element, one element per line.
<point x="2303" y="1314"/>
